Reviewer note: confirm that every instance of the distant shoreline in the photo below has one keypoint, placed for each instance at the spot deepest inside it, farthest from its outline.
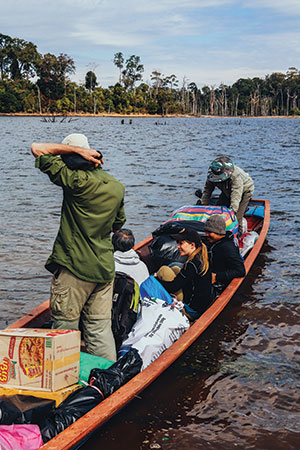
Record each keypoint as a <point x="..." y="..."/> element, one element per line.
<point x="132" y="116"/>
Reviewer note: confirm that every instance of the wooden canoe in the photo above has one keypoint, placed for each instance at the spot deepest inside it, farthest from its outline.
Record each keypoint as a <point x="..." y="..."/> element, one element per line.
<point x="80" y="430"/>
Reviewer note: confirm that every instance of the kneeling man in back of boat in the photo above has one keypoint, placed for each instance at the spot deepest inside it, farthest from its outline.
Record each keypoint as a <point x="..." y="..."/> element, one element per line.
<point x="236" y="186"/>
<point x="226" y="260"/>
<point x="82" y="258"/>
<point x="192" y="283"/>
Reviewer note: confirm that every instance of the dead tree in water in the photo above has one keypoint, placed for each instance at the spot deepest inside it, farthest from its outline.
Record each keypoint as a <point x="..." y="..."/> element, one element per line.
<point x="52" y="119"/>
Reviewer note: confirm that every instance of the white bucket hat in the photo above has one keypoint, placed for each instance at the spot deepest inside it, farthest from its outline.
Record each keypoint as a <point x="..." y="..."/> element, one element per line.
<point x="77" y="139"/>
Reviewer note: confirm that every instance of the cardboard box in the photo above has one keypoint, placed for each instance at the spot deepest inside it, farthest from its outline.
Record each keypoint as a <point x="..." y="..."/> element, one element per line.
<point x="58" y="396"/>
<point x="39" y="359"/>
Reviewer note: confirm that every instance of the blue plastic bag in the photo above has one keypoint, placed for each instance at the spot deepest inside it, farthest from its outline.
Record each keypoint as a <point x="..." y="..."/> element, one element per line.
<point x="151" y="287"/>
<point x="256" y="211"/>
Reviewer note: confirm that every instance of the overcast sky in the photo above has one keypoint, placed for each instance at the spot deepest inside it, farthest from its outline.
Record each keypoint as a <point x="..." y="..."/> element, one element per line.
<point x="207" y="41"/>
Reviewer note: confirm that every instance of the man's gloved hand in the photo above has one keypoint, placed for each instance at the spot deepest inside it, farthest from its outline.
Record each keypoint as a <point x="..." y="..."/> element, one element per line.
<point x="198" y="193"/>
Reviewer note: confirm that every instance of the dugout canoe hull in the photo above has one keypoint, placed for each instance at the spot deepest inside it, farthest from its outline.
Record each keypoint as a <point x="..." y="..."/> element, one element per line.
<point x="78" y="432"/>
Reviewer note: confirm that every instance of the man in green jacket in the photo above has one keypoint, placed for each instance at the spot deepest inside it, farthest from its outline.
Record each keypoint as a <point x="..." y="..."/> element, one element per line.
<point x="235" y="184"/>
<point x="82" y="257"/>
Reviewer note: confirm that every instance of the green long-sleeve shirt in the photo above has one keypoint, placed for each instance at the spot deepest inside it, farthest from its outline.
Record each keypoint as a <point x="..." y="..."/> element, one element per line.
<point x="93" y="207"/>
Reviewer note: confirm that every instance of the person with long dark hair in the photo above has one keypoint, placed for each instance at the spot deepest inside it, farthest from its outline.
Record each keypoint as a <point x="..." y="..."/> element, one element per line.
<point x="191" y="283"/>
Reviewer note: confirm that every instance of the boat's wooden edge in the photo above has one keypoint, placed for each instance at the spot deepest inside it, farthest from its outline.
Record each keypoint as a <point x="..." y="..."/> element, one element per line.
<point x="261" y="238"/>
<point x="141" y="244"/>
<point x="73" y="435"/>
<point x="35" y="315"/>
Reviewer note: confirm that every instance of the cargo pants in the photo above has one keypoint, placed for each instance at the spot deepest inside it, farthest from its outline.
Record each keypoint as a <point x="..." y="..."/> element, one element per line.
<point x="73" y="300"/>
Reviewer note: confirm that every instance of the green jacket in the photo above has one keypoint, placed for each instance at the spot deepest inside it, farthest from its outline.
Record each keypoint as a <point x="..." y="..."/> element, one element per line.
<point x="93" y="207"/>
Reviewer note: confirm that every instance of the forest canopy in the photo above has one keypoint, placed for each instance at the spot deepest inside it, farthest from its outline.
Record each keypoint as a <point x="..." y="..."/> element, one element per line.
<point x="34" y="83"/>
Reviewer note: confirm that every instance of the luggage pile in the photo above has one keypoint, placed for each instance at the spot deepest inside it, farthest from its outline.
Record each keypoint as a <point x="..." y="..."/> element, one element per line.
<point x="47" y="383"/>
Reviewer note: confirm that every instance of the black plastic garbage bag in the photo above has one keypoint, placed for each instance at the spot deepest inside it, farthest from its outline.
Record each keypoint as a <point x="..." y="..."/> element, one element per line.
<point x="71" y="409"/>
<point x="24" y="409"/>
<point x="164" y="251"/>
<point x="174" y="227"/>
<point x="82" y="401"/>
<point x="168" y="228"/>
<point x="109" y="380"/>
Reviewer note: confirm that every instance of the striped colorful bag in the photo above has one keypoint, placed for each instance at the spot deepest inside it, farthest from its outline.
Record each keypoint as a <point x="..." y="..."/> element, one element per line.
<point x="201" y="213"/>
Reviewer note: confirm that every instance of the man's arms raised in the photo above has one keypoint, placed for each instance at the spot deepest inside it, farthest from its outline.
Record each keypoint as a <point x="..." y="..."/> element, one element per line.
<point x="50" y="148"/>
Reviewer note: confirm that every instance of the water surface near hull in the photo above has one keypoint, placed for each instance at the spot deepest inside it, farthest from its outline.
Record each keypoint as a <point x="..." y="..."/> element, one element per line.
<point x="239" y="383"/>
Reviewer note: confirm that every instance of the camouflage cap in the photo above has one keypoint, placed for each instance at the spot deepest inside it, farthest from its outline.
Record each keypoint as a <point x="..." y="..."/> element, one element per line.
<point x="220" y="169"/>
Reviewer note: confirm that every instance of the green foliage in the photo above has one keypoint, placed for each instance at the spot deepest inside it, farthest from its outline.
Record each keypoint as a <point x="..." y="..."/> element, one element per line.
<point x="132" y="72"/>
<point x="90" y="81"/>
<point x="18" y="58"/>
<point x="119" y="62"/>
<point x="10" y="99"/>
<point x="53" y="92"/>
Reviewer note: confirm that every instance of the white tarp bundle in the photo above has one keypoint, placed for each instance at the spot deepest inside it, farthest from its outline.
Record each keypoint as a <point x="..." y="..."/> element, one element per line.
<point x="247" y="241"/>
<point x="158" y="327"/>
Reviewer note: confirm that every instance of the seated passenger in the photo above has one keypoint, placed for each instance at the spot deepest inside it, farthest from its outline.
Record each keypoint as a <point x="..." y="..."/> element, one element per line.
<point x="126" y="259"/>
<point x="194" y="279"/>
<point x="226" y="260"/>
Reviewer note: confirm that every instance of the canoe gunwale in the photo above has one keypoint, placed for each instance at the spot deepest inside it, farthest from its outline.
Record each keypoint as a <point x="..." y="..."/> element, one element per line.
<point x="87" y="424"/>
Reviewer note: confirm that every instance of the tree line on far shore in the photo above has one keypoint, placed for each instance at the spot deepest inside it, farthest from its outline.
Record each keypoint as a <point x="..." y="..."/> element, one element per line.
<point x="34" y="83"/>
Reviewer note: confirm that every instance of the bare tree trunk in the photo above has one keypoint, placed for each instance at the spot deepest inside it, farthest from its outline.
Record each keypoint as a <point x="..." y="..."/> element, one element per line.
<point x="95" y="103"/>
<point x="39" y="98"/>
<point x="254" y="101"/>
<point x="194" y="104"/>
<point x="225" y="104"/>
<point x="222" y="104"/>
<point x="251" y="106"/>
<point x="281" y="106"/>
<point x="212" y="101"/>
<point x="294" y="103"/>
<point x="75" y="100"/>
<point x="264" y="106"/>
<point x="184" y="81"/>
<point x="236" y="104"/>
<point x="287" y="101"/>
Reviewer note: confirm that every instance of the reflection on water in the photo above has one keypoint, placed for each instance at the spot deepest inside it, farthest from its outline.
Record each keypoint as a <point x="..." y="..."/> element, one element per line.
<point x="238" y="386"/>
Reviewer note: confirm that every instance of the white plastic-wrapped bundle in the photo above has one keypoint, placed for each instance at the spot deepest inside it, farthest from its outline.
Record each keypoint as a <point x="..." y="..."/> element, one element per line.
<point x="247" y="241"/>
<point x="158" y="327"/>
<point x="244" y="225"/>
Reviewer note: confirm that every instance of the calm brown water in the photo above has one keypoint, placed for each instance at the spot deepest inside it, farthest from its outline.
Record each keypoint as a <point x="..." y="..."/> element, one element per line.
<point x="238" y="385"/>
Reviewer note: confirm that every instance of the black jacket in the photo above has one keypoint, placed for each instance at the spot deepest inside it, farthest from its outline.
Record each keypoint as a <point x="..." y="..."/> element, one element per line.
<point x="196" y="287"/>
<point x="226" y="260"/>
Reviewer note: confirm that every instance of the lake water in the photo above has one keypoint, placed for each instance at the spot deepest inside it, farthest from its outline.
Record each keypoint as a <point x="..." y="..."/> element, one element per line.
<point x="238" y="385"/>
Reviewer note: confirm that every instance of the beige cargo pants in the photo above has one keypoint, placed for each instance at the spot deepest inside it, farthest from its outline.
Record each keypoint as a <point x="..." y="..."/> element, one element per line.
<point x="72" y="299"/>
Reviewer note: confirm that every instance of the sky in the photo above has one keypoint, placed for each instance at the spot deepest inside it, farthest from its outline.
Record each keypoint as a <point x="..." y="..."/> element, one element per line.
<point x="207" y="42"/>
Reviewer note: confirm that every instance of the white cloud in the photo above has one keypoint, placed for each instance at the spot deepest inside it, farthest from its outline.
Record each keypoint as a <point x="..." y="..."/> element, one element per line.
<point x="107" y="38"/>
<point x="209" y="41"/>
<point x="290" y="7"/>
<point x="156" y="6"/>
